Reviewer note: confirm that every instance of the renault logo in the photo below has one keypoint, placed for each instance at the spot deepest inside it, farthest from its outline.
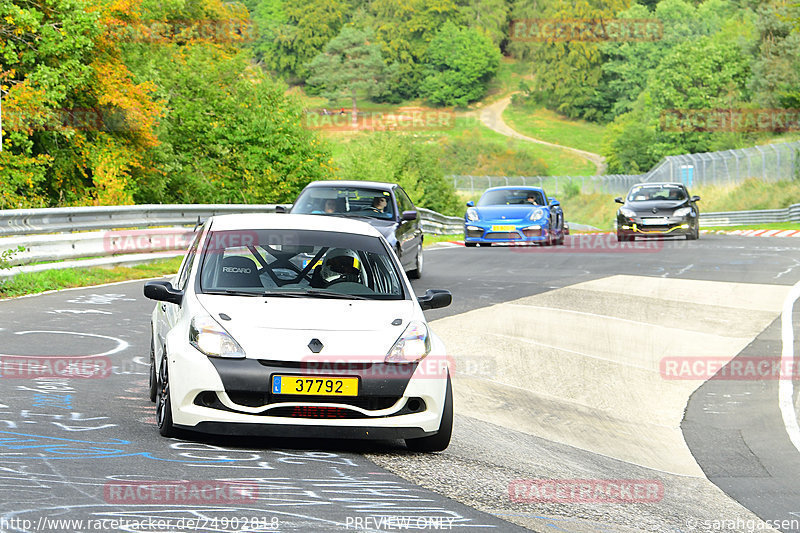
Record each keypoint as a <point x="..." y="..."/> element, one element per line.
<point x="315" y="345"/>
<point x="655" y="210"/>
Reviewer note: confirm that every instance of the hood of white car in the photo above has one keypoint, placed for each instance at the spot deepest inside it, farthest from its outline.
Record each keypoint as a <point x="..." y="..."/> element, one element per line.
<point x="281" y="329"/>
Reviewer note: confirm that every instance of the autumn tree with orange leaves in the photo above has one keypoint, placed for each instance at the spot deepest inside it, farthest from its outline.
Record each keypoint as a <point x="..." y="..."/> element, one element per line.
<point x="121" y="102"/>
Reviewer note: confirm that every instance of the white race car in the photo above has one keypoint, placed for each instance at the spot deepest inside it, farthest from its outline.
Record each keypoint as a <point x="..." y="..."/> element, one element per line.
<point x="297" y="325"/>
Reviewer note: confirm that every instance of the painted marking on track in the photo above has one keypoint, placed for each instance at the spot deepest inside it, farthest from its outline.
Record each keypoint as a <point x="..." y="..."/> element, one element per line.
<point x="785" y="386"/>
<point x="79" y="312"/>
<point x="121" y="344"/>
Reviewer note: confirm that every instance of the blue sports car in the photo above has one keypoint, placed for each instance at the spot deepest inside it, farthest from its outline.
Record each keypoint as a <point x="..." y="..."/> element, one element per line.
<point x="514" y="214"/>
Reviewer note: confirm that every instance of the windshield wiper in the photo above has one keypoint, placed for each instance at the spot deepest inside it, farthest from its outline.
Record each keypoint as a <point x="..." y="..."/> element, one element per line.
<point x="316" y="294"/>
<point x="233" y="292"/>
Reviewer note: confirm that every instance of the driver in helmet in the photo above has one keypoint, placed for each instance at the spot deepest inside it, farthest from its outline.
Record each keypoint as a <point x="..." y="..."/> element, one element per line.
<point x="341" y="265"/>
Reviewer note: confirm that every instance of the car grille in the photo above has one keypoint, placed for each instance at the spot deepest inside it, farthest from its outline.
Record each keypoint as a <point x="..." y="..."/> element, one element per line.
<point x="503" y="235"/>
<point x="532" y="232"/>
<point x="474" y="233"/>
<point x="413" y="405"/>
<point x="313" y="412"/>
<point x="370" y="403"/>
<point x="260" y="399"/>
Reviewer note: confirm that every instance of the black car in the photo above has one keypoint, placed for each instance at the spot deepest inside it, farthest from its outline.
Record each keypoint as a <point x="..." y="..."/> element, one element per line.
<point x="658" y="210"/>
<point x="386" y="206"/>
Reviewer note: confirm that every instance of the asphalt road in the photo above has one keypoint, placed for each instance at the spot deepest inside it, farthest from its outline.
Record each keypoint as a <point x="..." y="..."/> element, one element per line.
<point x="70" y="448"/>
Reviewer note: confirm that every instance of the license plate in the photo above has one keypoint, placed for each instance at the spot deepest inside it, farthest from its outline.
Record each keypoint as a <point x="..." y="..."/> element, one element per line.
<point x="654" y="221"/>
<point x="314" y="386"/>
<point x="504" y="228"/>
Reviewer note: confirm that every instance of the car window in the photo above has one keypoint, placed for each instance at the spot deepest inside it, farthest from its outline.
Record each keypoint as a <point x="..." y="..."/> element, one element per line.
<point x="186" y="267"/>
<point x="644" y="193"/>
<point x="403" y="201"/>
<point x="294" y="262"/>
<point x="512" y="197"/>
<point x="345" y="201"/>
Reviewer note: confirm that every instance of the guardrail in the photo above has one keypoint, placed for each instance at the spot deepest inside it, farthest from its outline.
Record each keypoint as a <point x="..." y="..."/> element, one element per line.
<point x="747" y="218"/>
<point x="64" y="219"/>
<point x="47" y="246"/>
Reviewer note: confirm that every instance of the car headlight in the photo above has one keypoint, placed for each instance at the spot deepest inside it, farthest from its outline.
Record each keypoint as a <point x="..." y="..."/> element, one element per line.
<point x="624" y="211"/>
<point x="413" y="345"/>
<point x="472" y="214"/>
<point x="209" y="337"/>
<point x="682" y="212"/>
<point x="536" y="214"/>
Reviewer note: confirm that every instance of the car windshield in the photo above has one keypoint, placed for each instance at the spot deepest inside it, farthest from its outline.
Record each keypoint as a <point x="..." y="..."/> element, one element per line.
<point x="512" y="197"/>
<point x="345" y="201"/>
<point x="298" y="263"/>
<point x="644" y="193"/>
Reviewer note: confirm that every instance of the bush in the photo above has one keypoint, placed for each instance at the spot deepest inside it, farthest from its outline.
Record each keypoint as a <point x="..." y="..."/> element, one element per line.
<point x="399" y="159"/>
<point x="459" y="63"/>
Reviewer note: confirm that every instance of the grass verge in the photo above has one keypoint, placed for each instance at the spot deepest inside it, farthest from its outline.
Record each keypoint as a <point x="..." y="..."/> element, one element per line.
<point x="541" y="123"/>
<point x="36" y="282"/>
<point x="433" y="239"/>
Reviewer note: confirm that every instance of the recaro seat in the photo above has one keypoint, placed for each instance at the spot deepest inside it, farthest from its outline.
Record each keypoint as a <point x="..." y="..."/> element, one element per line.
<point x="239" y="272"/>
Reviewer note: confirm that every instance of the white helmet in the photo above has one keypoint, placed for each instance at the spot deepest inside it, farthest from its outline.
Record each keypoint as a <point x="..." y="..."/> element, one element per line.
<point x="342" y="264"/>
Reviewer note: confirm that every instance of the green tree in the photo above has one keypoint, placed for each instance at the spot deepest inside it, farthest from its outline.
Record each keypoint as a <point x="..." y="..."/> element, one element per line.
<point x="397" y="158"/>
<point x="566" y="74"/>
<point x="490" y="17"/>
<point x="230" y="134"/>
<point x="351" y="65"/>
<point x="295" y="32"/>
<point x="459" y="63"/>
<point x="704" y="75"/>
<point x="404" y="28"/>
<point x="776" y="70"/>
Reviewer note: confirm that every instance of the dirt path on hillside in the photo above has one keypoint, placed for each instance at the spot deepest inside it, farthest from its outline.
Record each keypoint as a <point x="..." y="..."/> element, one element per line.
<point x="492" y="117"/>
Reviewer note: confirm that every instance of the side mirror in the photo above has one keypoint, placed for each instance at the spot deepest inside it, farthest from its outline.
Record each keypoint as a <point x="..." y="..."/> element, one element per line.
<point x="554" y="202"/>
<point x="408" y="215"/>
<point x="280" y="209"/>
<point x="470" y="204"/>
<point x="619" y="200"/>
<point x="163" y="291"/>
<point x="435" y="299"/>
<point x="695" y="199"/>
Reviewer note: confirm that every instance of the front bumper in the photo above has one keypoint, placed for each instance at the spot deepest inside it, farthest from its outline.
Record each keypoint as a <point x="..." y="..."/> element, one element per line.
<point x="233" y="396"/>
<point x="484" y="232"/>
<point x="671" y="226"/>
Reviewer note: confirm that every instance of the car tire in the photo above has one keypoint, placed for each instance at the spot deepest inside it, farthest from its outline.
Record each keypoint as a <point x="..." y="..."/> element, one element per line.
<point x="694" y="235"/>
<point x="560" y="240"/>
<point x="417" y="272"/>
<point x="163" y="403"/>
<point x="470" y="244"/>
<point x="153" y="381"/>
<point x="441" y="440"/>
